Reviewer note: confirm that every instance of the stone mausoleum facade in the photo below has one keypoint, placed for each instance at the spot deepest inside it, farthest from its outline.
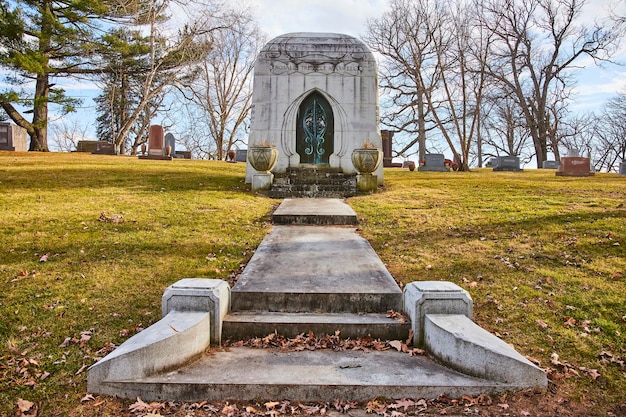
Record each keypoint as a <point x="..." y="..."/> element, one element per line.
<point x="315" y="97"/>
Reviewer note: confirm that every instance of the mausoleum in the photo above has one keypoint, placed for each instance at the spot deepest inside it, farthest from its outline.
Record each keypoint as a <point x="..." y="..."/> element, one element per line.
<point x="315" y="98"/>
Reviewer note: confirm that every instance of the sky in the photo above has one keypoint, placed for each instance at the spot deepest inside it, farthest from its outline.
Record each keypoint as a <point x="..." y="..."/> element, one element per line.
<point x="277" y="17"/>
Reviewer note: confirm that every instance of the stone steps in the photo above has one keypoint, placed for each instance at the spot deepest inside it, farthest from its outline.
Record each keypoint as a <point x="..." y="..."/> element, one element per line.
<point x="309" y="376"/>
<point x="313" y="183"/>
<point x="241" y="325"/>
<point x="311" y="278"/>
<point x="315" y="291"/>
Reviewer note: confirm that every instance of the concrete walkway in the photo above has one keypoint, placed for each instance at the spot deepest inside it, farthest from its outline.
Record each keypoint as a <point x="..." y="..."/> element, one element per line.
<point x="308" y="277"/>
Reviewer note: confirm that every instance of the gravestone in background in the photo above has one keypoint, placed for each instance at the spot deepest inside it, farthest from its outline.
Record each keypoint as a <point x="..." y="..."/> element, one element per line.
<point x="507" y="163"/>
<point x="155" y="141"/>
<point x="13" y="138"/>
<point x="434" y="162"/>
<point x="104" y="148"/>
<point x="550" y="165"/>
<point x="622" y="168"/>
<point x="387" y="136"/>
<point x="170" y="140"/>
<point x="241" y="155"/>
<point x="156" y="145"/>
<point x="575" y="166"/>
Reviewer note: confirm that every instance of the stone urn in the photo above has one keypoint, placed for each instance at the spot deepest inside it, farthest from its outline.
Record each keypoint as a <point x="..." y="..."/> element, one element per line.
<point x="366" y="160"/>
<point x="263" y="158"/>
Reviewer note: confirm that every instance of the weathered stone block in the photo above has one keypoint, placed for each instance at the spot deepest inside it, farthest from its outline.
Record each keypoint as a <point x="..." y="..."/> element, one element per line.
<point x="433" y="297"/>
<point x="463" y="345"/>
<point x="199" y="294"/>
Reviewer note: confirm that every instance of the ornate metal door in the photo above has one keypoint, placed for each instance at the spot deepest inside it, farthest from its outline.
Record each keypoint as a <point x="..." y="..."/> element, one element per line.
<point x="314" y="132"/>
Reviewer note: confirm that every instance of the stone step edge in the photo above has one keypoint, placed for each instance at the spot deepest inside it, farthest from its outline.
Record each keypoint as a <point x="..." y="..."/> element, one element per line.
<point x="241" y="373"/>
<point x="308" y="302"/>
<point x="241" y="325"/>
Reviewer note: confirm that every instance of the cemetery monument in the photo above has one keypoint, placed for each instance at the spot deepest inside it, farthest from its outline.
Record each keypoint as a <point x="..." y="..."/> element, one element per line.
<point x="315" y="98"/>
<point x="574" y="165"/>
<point x="434" y="162"/>
<point x="13" y="138"/>
<point x="507" y="163"/>
<point x="156" y="145"/>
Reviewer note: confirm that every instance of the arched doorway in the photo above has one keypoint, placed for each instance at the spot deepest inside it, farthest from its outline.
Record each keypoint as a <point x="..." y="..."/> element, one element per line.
<point x="315" y="128"/>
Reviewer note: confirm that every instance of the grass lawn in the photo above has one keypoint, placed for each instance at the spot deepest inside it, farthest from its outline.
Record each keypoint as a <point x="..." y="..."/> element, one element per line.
<point x="88" y="243"/>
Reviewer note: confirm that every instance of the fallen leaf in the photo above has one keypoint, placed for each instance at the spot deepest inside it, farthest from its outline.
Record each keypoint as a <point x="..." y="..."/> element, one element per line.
<point x="86" y="398"/>
<point x="66" y="342"/>
<point x="396" y="344"/>
<point x="24" y="405"/>
<point x="44" y="258"/>
<point x="503" y="406"/>
<point x="541" y="324"/>
<point x="402" y="404"/>
<point x="571" y="322"/>
<point x="271" y="405"/>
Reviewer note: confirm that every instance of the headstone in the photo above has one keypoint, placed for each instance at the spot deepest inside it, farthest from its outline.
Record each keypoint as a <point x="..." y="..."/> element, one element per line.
<point x="622" y="168"/>
<point x="104" y="148"/>
<point x="156" y="144"/>
<point x="170" y="140"/>
<point x="155" y="141"/>
<point x="241" y="155"/>
<point x="507" y="163"/>
<point x="387" y="136"/>
<point x="86" y="146"/>
<point x="573" y="152"/>
<point x="315" y="97"/>
<point x="13" y="138"/>
<point x="575" y="166"/>
<point x="183" y="154"/>
<point x="409" y="164"/>
<point x="434" y="162"/>
<point x="550" y="165"/>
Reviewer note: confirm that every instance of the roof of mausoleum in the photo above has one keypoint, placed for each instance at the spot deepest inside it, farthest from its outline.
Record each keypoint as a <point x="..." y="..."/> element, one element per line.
<point x="316" y="47"/>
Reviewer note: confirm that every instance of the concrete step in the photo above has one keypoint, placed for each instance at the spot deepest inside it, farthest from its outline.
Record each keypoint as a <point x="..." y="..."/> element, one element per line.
<point x="241" y="325"/>
<point x="308" y="376"/>
<point x="328" y="269"/>
<point x="314" y="183"/>
<point x="314" y="302"/>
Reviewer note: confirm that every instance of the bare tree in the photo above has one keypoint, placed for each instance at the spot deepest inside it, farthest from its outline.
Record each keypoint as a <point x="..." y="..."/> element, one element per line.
<point x="433" y="71"/>
<point x="537" y="44"/>
<point x="221" y="89"/>
<point x="505" y="131"/>
<point x="610" y="134"/>
<point x="66" y="134"/>
<point x="405" y="36"/>
<point x="462" y="52"/>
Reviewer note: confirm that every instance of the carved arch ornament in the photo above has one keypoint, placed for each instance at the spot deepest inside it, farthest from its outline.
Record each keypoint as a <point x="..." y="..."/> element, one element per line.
<point x="288" y="128"/>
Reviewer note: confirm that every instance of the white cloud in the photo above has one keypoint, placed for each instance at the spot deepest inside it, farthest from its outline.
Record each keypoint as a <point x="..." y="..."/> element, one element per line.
<point x="277" y="17"/>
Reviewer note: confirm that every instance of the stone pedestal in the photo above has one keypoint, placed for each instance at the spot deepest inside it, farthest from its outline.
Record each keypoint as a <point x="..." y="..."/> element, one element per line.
<point x="199" y="294"/>
<point x="575" y="166"/>
<point x="262" y="181"/>
<point x="433" y="297"/>
<point x="367" y="183"/>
